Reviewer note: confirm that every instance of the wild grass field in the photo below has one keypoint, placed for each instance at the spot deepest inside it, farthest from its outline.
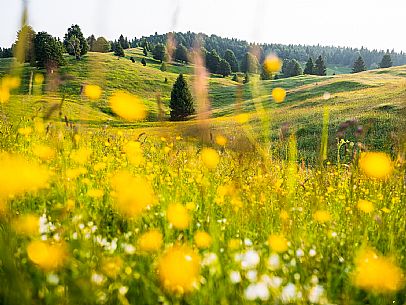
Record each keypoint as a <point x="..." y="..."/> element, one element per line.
<point x="297" y="202"/>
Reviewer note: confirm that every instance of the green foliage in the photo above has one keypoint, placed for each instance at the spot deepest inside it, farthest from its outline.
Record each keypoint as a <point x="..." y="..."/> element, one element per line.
<point x="123" y="42"/>
<point x="249" y="63"/>
<point x="81" y="48"/>
<point x="163" y="67"/>
<point x="229" y="56"/>
<point x="91" y="40"/>
<point x="181" y="103"/>
<point x="144" y="51"/>
<point x="246" y="78"/>
<point x="309" y="68"/>
<point x="386" y="61"/>
<point x="118" y="50"/>
<point x="359" y="65"/>
<point x="224" y="68"/>
<point x="48" y="51"/>
<point x="235" y="78"/>
<point x="291" y="68"/>
<point x="212" y="61"/>
<point x="24" y="45"/>
<point x="101" y="45"/>
<point x="320" y="67"/>
<point x="181" y="53"/>
<point x="159" y="52"/>
<point x="144" y="62"/>
<point x="74" y="46"/>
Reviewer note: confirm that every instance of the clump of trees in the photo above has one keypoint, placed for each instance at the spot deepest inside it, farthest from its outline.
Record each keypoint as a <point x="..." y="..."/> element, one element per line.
<point x="181" y="103"/>
<point x="48" y="51"/>
<point x="386" y="61"/>
<point x="318" y="68"/>
<point x="75" y="43"/>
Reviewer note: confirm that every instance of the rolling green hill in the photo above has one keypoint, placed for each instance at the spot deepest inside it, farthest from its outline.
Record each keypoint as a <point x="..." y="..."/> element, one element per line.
<point x="374" y="100"/>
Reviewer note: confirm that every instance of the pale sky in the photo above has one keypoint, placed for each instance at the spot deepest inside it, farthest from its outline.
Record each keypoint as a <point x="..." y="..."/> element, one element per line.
<point x="369" y="23"/>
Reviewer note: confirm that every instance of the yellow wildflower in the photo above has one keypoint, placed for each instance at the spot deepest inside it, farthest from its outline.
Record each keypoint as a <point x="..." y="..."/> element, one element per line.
<point x="179" y="269"/>
<point x="272" y="64"/>
<point x="365" y="206"/>
<point x="178" y="216"/>
<point x="203" y="240"/>
<point x="150" y="241"/>
<point x="278" y="243"/>
<point x="376" y="165"/>
<point x="112" y="266"/>
<point x="44" y="152"/>
<point x="210" y="158"/>
<point x="376" y="273"/>
<point x="221" y="140"/>
<point x="26" y="224"/>
<point x="322" y="216"/>
<point x="127" y="106"/>
<point x="93" y="92"/>
<point x="47" y="256"/>
<point x="279" y="95"/>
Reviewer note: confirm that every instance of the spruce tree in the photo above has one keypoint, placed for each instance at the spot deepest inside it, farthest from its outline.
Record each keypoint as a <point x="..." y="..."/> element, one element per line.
<point x="212" y="61"/>
<point x="320" y="67"/>
<point x="144" y="62"/>
<point x="229" y="56"/>
<point x="386" y="61"/>
<point x="91" y="40"/>
<point x="163" y="67"/>
<point x="118" y="50"/>
<point x="359" y="65"/>
<point x="309" y="69"/>
<point x="181" y="103"/>
<point x="181" y="53"/>
<point x="48" y="51"/>
<point x="23" y="48"/>
<point x="224" y="68"/>
<point x="249" y="63"/>
<point x="159" y="52"/>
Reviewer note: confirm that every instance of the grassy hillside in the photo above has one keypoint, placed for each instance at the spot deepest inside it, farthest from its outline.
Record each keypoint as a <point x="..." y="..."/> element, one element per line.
<point x="375" y="99"/>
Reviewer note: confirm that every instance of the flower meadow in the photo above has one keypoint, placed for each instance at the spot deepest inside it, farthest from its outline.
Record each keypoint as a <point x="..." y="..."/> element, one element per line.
<point x="94" y="215"/>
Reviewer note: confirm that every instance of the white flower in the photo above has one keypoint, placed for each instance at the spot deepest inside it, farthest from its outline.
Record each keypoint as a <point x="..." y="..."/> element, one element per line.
<point x="123" y="290"/>
<point x="128" y="249"/>
<point x="247" y="242"/>
<point x="257" y="291"/>
<point x="250" y="293"/>
<point x="252" y="275"/>
<point x="275" y="282"/>
<point x="288" y="294"/>
<point x="52" y="279"/>
<point x="312" y="252"/>
<point x="250" y="259"/>
<point x="274" y="262"/>
<point x="315" y="294"/>
<point x="235" y="277"/>
<point x="209" y="259"/>
<point x="98" y="279"/>
<point x="299" y="253"/>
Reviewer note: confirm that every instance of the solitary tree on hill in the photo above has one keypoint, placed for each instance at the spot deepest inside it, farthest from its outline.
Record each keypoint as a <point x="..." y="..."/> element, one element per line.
<point x="229" y="56"/>
<point x="320" y="67"/>
<point x="359" y="65"/>
<point x="386" y="61"/>
<point x="181" y="103"/>
<point x="309" y="68"/>
<point x="81" y="48"/>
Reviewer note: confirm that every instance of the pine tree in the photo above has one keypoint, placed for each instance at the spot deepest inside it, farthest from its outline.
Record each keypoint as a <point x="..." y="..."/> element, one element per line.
<point x="386" y="61"/>
<point x="24" y="46"/>
<point x="118" y="50"/>
<point x="320" y="67"/>
<point x="181" y="103"/>
<point x="212" y="61"/>
<point x="224" y="68"/>
<point x="91" y="40"/>
<point x="309" y="69"/>
<point x="229" y="56"/>
<point x="359" y="65"/>
<point x="144" y="62"/>
<point x="144" y="51"/>
<point x="291" y="68"/>
<point x="48" y="51"/>
<point x="123" y="42"/>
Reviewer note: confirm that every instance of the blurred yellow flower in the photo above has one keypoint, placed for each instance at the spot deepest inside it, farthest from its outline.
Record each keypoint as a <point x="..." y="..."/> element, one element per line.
<point x="127" y="106"/>
<point x="132" y="194"/>
<point x="376" y="273"/>
<point x="278" y="243"/>
<point x="4" y="94"/>
<point x="81" y="155"/>
<point x="25" y="131"/>
<point x="242" y="118"/>
<point x="210" y="158"/>
<point x="11" y="82"/>
<point x="44" y="152"/>
<point x="18" y="176"/>
<point x="93" y="92"/>
<point x="203" y="240"/>
<point x="365" y="206"/>
<point x="221" y="140"/>
<point x="376" y="165"/>
<point x="234" y="244"/>
<point x="279" y="95"/>
<point x="178" y="216"/>
<point x="26" y="224"/>
<point x="150" y="241"/>
<point x="134" y="153"/>
<point x="179" y="269"/>
<point x="322" y="216"/>
<point x="112" y="266"/>
<point x="46" y="255"/>
<point x="95" y="193"/>
<point x="273" y="64"/>
<point x="38" y="78"/>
